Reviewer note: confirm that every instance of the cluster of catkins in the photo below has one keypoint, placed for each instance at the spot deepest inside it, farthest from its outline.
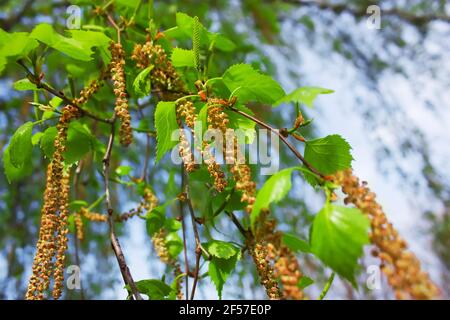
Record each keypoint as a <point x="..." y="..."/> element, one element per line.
<point x="285" y="264"/>
<point x="117" y="66"/>
<point x="163" y="75"/>
<point x="52" y="242"/>
<point x="400" y="266"/>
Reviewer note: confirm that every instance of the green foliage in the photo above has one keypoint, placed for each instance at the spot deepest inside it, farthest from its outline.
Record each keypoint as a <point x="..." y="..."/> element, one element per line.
<point x="123" y="170"/>
<point x="24" y="84"/>
<point x="337" y="238"/>
<point x="79" y="142"/>
<point x="154" y="289"/>
<point x="247" y="84"/>
<point x="224" y="257"/>
<point x="273" y="190"/>
<point x="183" y="58"/>
<point x="304" y="95"/>
<point x="295" y="244"/>
<point x="142" y="83"/>
<point x="78" y="47"/>
<point x="305" y="282"/>
<point x="165" y="124"/>
<point x="328" y="155"/>
<point x="20" y="147"/>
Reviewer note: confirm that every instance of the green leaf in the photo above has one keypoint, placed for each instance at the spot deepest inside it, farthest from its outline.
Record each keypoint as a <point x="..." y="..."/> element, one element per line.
<point x="304" y="95"/>
<point x="221" y="249"/>
<point x="155" y="221"/>
<point x="185" y="24"/>
<point x="219" y="270"/>
<point x="295" y="244"/>
<point x="174" y="244"/>
<point x="141" y="83"/>
<point x="12" y="173"/>
<point x="328" y="155"/>
<point x="273" y="190"/>
<point x="165" y="124"/>
<point x="238" y="121"/>
<point x="36" y="138"/>
<point x="79" y="142"/>
<point x="247" y="84"/>
<point x="123" y="170"/>
<point x="20" y="147"/>
<point x="337" y="238"/>
<point x="24" y="84"/>
<point x="183" y="58"/>
<point x="78" y="47"/>
<point x="154" y="289"/>
<point x="76" y="205"/>
<point x="305" y="282"/>
<point x="222" y="43"/>
<point x="14" y="45"/>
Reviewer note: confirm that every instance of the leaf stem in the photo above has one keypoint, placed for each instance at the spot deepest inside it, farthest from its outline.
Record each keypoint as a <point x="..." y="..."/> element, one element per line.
<point x="327" y="286"/>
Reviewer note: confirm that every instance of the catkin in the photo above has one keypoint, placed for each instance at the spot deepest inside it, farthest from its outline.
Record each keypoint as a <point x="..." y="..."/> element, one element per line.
<point x="400" y="266"/>
<point x="118" y="76"/>
<point x="286" y="267"/>
<point x="53" y="230"/>
<point x="164" y="78"/>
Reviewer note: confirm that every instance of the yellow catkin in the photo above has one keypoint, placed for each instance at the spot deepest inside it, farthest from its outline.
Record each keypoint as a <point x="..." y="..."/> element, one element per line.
<point x="243" y="176"/>
<point x="186" y="111"/>
<point x="400" y="265"/>
<point x="265" y="270"/>
<point x="93" y="87"/>
<point x="51" y="239"/>
<point x="286" y="267"/>
<point x="61" y="238"/>
<point x="118" y="76"/>
<point x="79" y="231"/>
<point x="164" y="78"/>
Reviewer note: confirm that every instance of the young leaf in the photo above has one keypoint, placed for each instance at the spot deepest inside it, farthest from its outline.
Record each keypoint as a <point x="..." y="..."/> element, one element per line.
<point x="295" y="244"/>
<point x="165" y="124"/>
<point x="79" y="142"/>
<point x="78" y="47"/>
<point x="220" y="268"/>
<point x="20" y="147"/>
<point x="183" y="58"/>
<point x="337" y="238"/>
<point x="304" y="95"/>
<point x="123" y="170"/>
<point x="174" y="244"/>
<point x="221" y="249"/>
<point x="141" y="83"/>
<point x="273" y="190"/>
<point x="24" y="84"/>
<point x="328" y="155"/>
<point x="154" y="289"/>
<point x="305" y="282"/>
<point x="249" y="85"/>
<point x="12" y="173"/>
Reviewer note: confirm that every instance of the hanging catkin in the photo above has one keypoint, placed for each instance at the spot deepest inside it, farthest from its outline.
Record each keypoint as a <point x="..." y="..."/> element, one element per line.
<point x="400" y="265"/>
<point x="118" y="76"/>
<point x="53" y="230"/>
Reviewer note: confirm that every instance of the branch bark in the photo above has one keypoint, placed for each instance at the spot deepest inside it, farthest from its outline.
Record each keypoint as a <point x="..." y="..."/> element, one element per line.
<point x="125" y="271"/>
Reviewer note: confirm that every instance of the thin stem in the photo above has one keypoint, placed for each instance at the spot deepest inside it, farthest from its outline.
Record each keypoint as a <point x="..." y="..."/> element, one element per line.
<point x="284" y="139"/>
<point x="42" y="85"/>
<point x="183" y="225"/>
<point x="198" y="245"/>
<point x="327" y="286"/>
<point x="125" y="271"/>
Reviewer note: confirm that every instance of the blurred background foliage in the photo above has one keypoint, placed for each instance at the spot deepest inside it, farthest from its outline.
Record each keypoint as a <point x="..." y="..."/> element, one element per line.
<point x="288" y="39"/>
